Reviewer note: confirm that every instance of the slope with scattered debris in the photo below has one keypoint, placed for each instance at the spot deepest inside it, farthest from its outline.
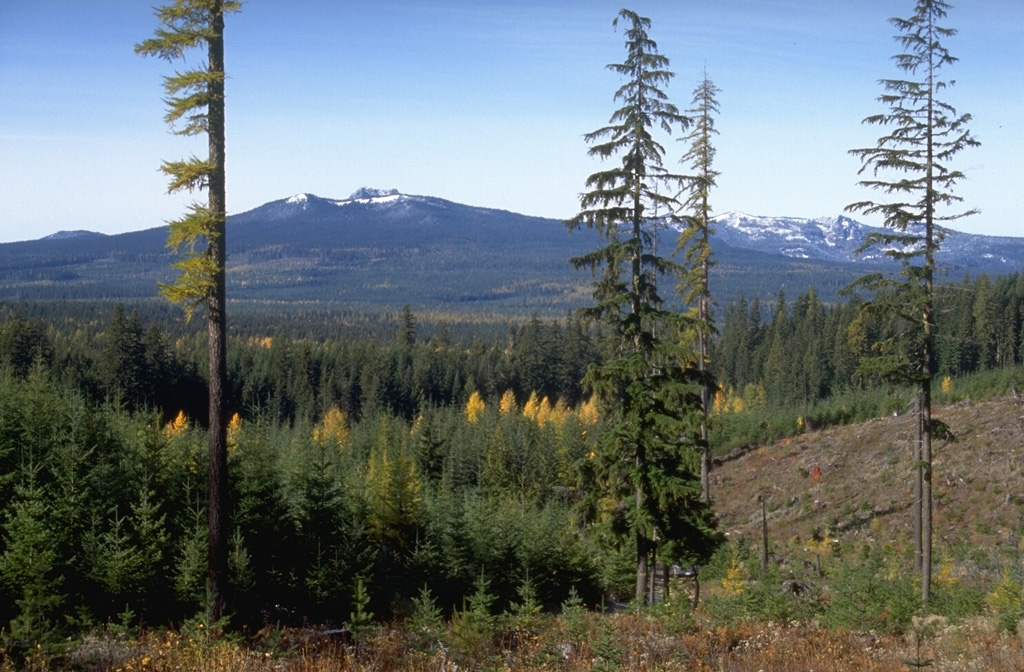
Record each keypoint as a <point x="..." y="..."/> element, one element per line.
<point x="856" y="481"/>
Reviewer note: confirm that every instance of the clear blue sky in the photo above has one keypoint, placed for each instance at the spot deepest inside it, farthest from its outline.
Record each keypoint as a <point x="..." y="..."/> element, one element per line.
<point x="479" y="102"/>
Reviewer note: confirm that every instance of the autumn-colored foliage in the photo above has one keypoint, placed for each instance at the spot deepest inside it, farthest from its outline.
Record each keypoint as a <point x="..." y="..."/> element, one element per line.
<point x="178" y="425"/>
<point x="333" y="428"/>
<point x="474" y="407"/>
<point x="507" y="405"/>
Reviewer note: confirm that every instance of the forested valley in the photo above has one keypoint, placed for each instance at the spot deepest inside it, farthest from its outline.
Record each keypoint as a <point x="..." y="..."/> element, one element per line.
<point x="372" y="469"/>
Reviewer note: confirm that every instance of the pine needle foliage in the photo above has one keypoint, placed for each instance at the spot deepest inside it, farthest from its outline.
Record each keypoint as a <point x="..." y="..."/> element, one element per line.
<point x="911" y="164"/>
<point x="195" y="106"/>
<point x="695" y="241"/>
<point x="650" y="384"/>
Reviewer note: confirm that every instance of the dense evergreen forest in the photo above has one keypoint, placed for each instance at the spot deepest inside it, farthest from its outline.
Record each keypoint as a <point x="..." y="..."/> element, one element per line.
<point x="287" y="367"/>
<point x="805" y="351"/>
<point x="371" y="457"/>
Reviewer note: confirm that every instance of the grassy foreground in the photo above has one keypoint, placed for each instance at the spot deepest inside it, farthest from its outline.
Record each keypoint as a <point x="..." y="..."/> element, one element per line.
<point x="582" y="642"/>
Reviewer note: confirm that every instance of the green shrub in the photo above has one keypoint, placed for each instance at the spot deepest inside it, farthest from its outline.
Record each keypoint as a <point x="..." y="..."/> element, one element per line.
<point x="875" y="593"/>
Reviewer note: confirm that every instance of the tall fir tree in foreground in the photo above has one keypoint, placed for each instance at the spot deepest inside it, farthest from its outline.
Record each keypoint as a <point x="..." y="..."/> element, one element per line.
<point x="911" y="164"/>
<point x="695" y="240"/>
<point x="195" y="102"/>
<point x="648" y="385"/>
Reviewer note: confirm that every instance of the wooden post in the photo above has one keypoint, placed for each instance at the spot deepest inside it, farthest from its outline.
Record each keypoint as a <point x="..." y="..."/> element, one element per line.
<point x="764" y="535"/>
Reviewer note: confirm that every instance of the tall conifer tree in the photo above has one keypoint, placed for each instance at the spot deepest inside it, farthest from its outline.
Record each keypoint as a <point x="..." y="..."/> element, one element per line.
<point x="196" y="107"/>
<point x="648" y="384"/>
<point x="911" y="163"/>
<point x="695" y="240"/>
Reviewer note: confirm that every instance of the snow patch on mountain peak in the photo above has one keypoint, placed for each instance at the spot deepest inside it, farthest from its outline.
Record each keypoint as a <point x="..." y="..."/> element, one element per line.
<point x="834" y="238"/>
<point x="369" y="193"/>
<point x="368" y="196"/>
<point x="758" y="227"/>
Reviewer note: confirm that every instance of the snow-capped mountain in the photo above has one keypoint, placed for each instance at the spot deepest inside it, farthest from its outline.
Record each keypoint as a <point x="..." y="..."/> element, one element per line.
<point x="838" y="239"/>
<point x="383" y="247"/>
<point x="363" y="196"/>
<point x="829" y="238"/>
<point x="313" y="207"/>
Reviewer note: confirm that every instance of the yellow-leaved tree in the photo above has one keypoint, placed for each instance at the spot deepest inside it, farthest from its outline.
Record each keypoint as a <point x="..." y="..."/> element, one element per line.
<point x="234" y="430"/>
<point x="332" y="429"/>
<point x="507" y="405"/>
<point x="589" y="413"/>
<point x="178" y="425"/>
<point x="474" y="407"/>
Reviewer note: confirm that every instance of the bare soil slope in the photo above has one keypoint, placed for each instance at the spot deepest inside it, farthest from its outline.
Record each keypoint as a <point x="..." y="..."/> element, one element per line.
<point x="856" y="481"/>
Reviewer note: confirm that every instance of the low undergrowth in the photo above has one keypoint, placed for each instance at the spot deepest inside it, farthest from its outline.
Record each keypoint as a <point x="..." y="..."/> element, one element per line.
<point x="658" y="640"/>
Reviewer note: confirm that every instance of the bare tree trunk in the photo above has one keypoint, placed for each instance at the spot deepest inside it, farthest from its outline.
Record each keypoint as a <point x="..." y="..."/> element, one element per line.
<point x="926" y="495"/>
<point x="652" y="578"/>
<point x="1018" y="401"/>
<point x="641" y="564"/>
<point x="1020" y="420"/>
<point x="930" y="246"/>
<point x="918" y="485"/>
<point x="705" y="397"/>
<point x="217" y="511"/>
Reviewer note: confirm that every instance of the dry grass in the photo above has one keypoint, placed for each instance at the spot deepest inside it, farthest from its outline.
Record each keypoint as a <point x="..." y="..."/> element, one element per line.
<point x="641" y="643"/>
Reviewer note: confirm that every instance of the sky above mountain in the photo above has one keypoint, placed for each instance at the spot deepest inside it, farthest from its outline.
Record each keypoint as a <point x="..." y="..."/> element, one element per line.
<point x="478" y="102"/>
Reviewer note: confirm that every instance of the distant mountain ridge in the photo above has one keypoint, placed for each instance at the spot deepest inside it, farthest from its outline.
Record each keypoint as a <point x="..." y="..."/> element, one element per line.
<point x="824" y="238"/>
<point x="80" y="233"/>
<point x="382" y="248"/>
<point x="839" y="238"/>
